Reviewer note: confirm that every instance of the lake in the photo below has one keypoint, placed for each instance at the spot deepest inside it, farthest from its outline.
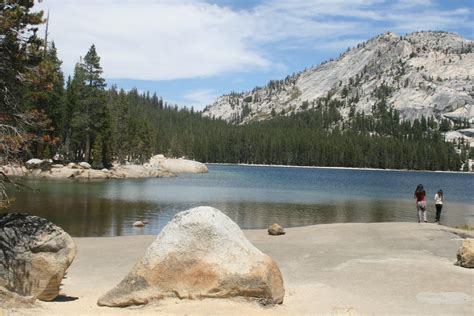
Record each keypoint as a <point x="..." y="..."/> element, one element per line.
<point x="253" y="196"/>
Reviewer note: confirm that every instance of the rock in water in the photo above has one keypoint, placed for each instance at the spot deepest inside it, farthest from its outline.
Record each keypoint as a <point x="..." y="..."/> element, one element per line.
<point x="139" y="224"/>
<point x="275" y="230"/>
<point x="200" y="253"/>
<point x="177" y="165"/>
<point x="466" y="254"/>
<point x="34" y="255"/>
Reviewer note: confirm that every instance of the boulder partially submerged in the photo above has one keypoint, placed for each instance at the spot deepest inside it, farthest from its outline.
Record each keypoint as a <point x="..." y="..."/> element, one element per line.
<point x="466" y="254"/>
<point x="138" y="224"/>
<point x="200" y="253"/>
<point x="177" y="165"/>
<point x="34" y="256"/>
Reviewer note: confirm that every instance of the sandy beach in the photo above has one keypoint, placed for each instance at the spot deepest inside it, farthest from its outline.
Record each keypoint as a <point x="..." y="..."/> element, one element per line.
<point x="337" y="269"/>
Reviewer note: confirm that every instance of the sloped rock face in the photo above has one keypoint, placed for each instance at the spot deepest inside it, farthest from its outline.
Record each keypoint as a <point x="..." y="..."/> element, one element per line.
<point x="429" y="73"/>
<point x="34" y="255"/>
<point x="466" y="254"/>
<point x="200" y="253"/>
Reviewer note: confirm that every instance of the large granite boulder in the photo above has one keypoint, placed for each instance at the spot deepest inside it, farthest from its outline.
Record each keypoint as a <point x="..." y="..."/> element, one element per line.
<point x="34" y="255"/>
<point x="200" y="253"/>
<point x="177" y="165"/>
<point x="466" y="254"/>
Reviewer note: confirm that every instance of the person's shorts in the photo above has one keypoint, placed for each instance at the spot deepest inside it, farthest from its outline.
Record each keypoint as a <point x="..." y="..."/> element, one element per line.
<point x="421" y="205"/>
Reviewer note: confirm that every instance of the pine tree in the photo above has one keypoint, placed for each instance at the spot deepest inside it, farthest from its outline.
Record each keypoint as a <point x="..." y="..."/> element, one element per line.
<point x="19" y="53"/>
<point x="89" y="100"/>
<point x="44" y="100"/>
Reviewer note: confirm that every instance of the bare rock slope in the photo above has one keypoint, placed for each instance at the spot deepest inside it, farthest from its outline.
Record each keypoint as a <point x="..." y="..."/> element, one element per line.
<point x="429" y="73"/>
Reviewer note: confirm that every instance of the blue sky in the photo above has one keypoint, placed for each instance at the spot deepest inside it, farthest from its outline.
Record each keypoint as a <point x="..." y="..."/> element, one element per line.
<point x="192" y="51"/>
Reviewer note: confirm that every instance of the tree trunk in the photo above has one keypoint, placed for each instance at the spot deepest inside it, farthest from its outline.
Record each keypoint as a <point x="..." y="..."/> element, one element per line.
<point x="87" y="151"/>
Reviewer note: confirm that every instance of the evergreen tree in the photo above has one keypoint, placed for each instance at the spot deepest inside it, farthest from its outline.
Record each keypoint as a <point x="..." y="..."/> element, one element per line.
<point x="90" y="114"/>
<point x="44" y="99"/>
<point x="19" y="54"/>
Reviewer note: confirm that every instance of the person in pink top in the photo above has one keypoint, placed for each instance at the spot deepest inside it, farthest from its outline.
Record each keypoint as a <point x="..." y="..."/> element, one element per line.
<point x="420" y="196"/>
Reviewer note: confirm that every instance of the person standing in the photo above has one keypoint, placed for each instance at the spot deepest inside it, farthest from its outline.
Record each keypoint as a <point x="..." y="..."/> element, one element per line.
<point x="420" y="196"/>
<point x="439" y="199"/>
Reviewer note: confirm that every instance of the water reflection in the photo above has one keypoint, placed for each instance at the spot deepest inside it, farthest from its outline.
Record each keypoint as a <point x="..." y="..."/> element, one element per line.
<point x="252" y="197"/>
<point x="90" y="216"/>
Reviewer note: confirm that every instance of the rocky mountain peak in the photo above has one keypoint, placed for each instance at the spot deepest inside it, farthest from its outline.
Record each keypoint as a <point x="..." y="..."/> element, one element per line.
<point x="423" y="73"/>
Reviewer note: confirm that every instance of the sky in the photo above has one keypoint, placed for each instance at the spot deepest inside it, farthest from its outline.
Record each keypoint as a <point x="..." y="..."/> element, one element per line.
<point x="192" y="51"/>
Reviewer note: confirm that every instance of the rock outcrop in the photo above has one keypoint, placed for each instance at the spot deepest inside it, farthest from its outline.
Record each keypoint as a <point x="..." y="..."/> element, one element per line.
<point x="200" y="253"/>
<point x="428" y="73"/>
<point x="177" y="165"/>
<point x="43" y="164"/>
<point x="466" y="254"/>
<point x="34" y="256"/>
<point x="275" y="230"/>
<point x="81" y="171"/>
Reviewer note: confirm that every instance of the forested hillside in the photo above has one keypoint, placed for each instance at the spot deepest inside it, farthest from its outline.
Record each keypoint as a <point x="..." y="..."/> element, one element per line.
<point x="318" y="137"/>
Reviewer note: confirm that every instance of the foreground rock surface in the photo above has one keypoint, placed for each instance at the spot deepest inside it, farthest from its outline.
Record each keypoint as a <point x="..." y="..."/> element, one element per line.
<point x="200" y="253"/>
<point x="177" y="165"/>
<point x="34" y="256"/>
<point x="466" y="254"/>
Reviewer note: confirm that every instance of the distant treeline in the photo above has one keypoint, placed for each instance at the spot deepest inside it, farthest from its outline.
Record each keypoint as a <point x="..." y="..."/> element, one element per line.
<point x="316" y="137"/>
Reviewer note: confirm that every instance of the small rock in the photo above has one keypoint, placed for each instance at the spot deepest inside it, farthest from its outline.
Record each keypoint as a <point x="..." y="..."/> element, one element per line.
<point x="57" y="165"/>
<point x="466" y="254"/>
<point x="139" y="224"/>
<point x="72" y="165"/>
<point x="275" y="229"/>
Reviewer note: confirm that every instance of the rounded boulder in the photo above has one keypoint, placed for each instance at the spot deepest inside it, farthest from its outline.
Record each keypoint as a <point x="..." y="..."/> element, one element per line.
<point x="35" y="255"/>
<point x="200" y="253"/>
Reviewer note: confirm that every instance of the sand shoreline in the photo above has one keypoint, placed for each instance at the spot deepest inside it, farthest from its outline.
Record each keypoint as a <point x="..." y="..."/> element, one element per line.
<point x="342" y="269"/>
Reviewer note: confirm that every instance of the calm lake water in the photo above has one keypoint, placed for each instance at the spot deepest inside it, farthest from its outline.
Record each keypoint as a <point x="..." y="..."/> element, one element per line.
<point x="254" y="197"/>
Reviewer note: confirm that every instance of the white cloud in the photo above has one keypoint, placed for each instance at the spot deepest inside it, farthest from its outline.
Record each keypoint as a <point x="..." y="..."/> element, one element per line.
<point x="200" y="98"/>
<point x="153" y="39"/>
<point x="174" y="39"/>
